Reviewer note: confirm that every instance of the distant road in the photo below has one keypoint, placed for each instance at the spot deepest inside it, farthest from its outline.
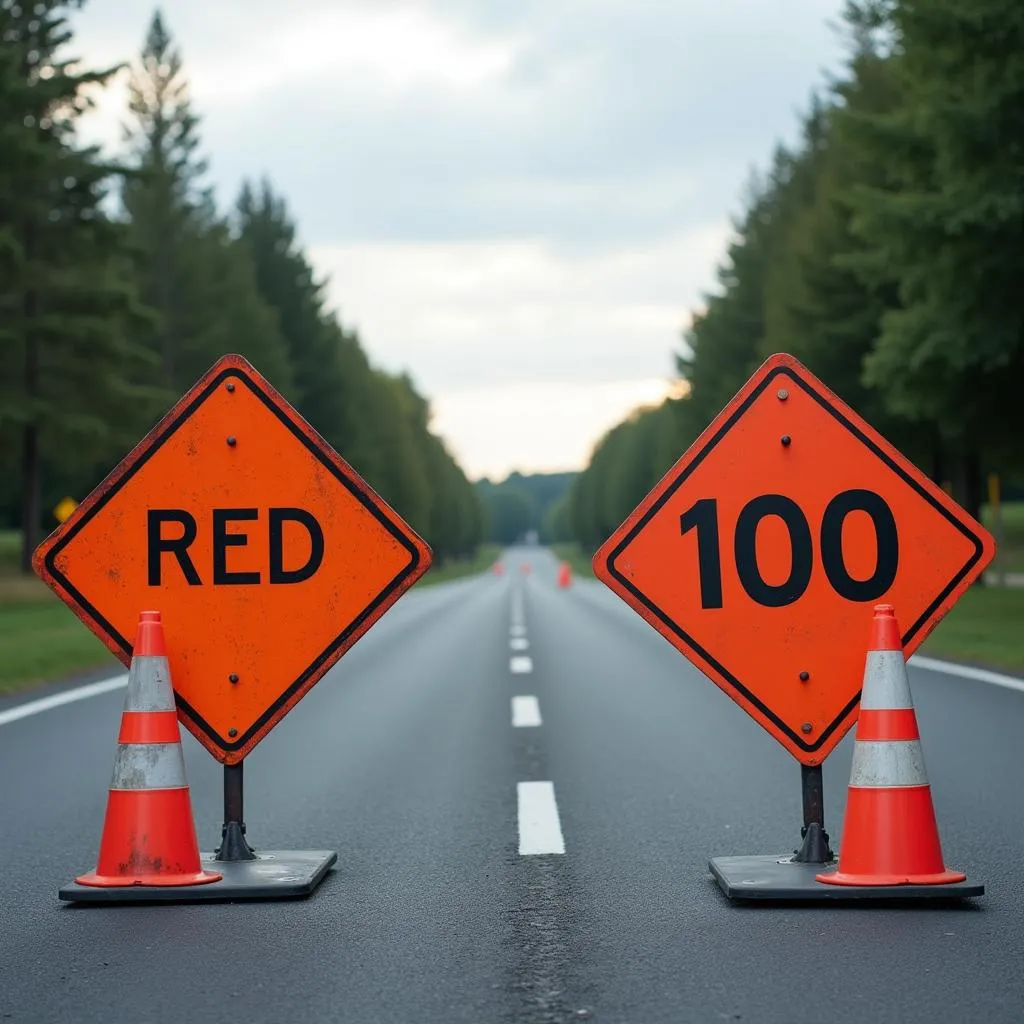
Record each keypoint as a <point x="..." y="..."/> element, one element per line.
<point x="478" y="719"/>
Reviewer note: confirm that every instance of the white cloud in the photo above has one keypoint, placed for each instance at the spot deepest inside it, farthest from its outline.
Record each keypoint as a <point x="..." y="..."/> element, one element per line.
<point x="391" y="47"/>
<point x="518" y="203"/>
<point x="539" y="426"/>
<point x="476" y="314"/>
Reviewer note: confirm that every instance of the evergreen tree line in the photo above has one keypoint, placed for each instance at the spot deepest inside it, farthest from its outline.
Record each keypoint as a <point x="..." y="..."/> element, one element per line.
<point x="524" y="503"/>
<point x="885" y="251"/>
<point x="121" y="283"/>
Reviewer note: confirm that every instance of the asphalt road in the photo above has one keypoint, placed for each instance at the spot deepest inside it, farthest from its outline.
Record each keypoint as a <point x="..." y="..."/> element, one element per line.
<point x="405" y="760"/>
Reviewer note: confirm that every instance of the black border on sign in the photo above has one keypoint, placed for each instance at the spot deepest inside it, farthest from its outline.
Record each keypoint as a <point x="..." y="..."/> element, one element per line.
<point x="318" y="453"/>
<point x="823" y="401"/>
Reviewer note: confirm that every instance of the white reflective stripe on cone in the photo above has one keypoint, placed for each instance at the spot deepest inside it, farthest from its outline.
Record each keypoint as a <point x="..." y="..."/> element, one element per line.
<point x="885" y="682"/>
<point x="882" y="763"/>
<point x="149" y="685"/>
<point x="149" y="766"/>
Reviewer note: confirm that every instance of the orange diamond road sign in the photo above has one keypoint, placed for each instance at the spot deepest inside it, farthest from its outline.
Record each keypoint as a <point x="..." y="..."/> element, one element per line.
<point x="762" y="551"/>
<point x="266" y="553"/>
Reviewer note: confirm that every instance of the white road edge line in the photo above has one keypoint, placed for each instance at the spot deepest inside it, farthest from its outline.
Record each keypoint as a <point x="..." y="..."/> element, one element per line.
<point x="525" y="712"/>
<point x="521" y="664"/>
<point x="519" y="643"/>
<point x="981" y="675"/>
<point x="540" y="831"/>
<point x="67" y="697"/>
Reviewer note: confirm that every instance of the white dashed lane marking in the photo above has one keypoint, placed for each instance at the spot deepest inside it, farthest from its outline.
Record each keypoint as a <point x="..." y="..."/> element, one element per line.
<point x="525" y="712"/>
<point x="540" y="831"/>
<point x="521" y="664"/>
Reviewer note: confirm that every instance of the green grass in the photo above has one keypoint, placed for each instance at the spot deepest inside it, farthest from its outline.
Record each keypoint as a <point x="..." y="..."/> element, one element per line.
<point x="41" y="640"/>
<point x="1011" y="546"/>
<point x="452" y="569"/>
<point x="986" y="628"/>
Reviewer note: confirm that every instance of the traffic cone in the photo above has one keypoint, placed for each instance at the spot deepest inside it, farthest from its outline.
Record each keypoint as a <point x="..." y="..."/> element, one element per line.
<point x="149" y="837"/>
<point x="498" y="568"/>
<point x="890" y="836"/>
<point x="564" y="575"/>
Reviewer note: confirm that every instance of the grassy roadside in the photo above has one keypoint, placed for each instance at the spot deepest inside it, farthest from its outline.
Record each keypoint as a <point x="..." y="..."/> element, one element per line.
<point x="41" y="640"/>
<point x="985" y="628"/>
<point x="1010" y="548"/>
<point x="486" y="555"/>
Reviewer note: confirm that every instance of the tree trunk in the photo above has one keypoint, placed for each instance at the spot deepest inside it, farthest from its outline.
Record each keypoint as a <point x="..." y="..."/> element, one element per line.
<point x="30" y="468"/>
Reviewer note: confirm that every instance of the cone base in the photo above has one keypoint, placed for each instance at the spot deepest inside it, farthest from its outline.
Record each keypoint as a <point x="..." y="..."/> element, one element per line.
<point x="849" y="878"/>
<point x="275" y="874"/>
<point x="780" y="879"/>
<point x="120" y="881"/>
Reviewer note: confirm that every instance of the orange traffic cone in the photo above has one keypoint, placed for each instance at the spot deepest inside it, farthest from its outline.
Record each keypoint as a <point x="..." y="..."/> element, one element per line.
<point x="564" y="575"/>
<point x="149" y="837"/>
<point x="498" y="568"/>
<point x="890" y="836"/>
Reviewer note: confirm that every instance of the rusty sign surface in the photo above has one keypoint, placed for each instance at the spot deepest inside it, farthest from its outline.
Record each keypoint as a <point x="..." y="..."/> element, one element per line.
<point x="762" y="551"/>
<point x="266" y="553"/>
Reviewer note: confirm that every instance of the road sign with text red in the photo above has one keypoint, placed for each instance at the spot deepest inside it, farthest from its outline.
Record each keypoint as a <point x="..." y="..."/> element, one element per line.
<point x="763" y="550"/>
<point x="266" y="553"/>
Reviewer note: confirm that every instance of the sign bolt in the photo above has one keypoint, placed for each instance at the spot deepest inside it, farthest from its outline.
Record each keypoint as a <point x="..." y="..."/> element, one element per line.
<point x="231" y="441"/>
<point x="782" y="394"/>
<point x="804" y="676"/>
<point x="233" y="678"/>
<point x="234" y="732"/>
<point x="806" y="727"/>
<point x="786" y="439"/>
<point x="230" y="385"/>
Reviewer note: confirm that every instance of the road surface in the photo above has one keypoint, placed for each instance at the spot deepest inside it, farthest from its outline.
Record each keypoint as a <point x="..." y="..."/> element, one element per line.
<point x="405" y="759"/>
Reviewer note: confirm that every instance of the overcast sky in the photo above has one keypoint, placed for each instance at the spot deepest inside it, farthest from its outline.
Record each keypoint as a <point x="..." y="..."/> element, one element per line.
<point x="518" y="201"/>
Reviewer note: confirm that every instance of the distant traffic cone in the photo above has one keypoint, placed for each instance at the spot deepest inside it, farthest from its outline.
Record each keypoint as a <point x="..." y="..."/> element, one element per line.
<point x="564" y="575"/>
<point x="524" y="568"/>
<point x="149" y="837"/>
<point x="890" y="836"/>
<point x="498" y="568"/>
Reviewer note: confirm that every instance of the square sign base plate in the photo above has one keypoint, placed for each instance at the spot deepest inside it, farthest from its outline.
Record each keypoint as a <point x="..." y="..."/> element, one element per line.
<point x="273" y="875"/>
<point x="781" y="878"/>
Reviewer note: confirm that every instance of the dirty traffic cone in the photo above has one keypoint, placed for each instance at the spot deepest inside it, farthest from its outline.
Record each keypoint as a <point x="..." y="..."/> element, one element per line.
<point x="149" y="837"/>
<point x="564" y="575"/>
<point x="890" y="836"/>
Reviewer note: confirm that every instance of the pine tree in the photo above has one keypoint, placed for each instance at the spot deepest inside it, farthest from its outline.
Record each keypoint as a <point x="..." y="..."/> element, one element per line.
<point x="949" y="226"/>
<point x="317" y="346"/>
<point x="200" y="279"/>
<point x="725" y="338"/>
<point x="67" y="306"/>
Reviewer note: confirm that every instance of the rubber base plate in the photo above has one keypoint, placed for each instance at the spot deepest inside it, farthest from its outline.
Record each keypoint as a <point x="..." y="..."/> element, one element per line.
<point x="781" y="878"/>
<point x="274" y="875"/>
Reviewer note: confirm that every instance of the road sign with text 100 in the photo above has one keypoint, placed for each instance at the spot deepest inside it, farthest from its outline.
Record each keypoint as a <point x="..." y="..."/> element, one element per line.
<point x="761" y="554"/>
<point x="266" y="553"/>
